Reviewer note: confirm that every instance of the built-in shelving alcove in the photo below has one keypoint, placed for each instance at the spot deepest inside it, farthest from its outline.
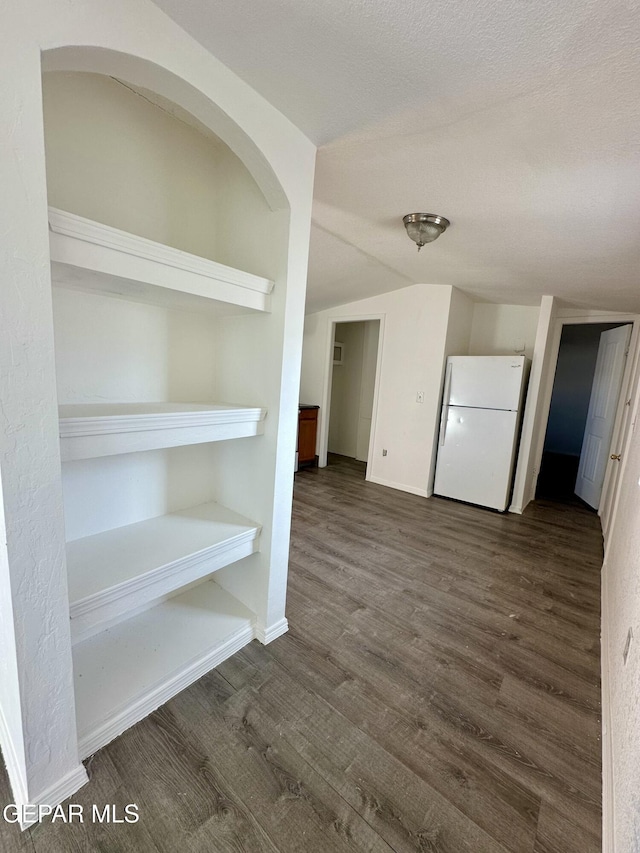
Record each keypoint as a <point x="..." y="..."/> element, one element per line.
<point x="165" y="302"/>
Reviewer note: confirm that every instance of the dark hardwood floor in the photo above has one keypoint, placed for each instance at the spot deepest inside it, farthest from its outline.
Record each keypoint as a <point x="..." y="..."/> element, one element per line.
<point x="438" y="690"/>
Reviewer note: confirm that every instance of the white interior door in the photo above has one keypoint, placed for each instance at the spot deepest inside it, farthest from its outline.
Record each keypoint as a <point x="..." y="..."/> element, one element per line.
<point x="605" y="391"/>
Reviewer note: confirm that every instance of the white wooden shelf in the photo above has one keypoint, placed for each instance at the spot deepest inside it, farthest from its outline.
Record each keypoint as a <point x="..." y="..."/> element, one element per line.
<point x="86" y="255"/>
<point x="114" y="574"/>
<point x="104" y="429"/>
<point x="126" y="672"/>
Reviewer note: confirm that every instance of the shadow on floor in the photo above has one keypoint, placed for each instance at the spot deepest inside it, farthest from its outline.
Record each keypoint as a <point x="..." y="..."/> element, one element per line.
<point x="557" y="477"/>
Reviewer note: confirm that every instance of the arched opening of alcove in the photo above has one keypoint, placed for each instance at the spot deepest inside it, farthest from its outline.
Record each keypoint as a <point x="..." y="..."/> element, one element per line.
<point x="128" y="158"/>
<point x="142" y="75"/>
<point x="165" y="250"/>
<point x="137" y="326"/>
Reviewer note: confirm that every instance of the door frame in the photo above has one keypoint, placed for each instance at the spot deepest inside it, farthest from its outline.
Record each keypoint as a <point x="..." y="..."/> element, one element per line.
<point x="323" y="442"/>
<point x="573" y="317"/>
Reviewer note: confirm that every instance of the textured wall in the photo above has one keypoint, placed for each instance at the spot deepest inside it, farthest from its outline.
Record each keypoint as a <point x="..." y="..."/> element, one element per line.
<point x="135" y="42"/>
<point x="621" y="611"/>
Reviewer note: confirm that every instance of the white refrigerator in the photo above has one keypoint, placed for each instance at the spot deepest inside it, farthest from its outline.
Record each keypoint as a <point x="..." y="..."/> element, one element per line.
<point x="479" y="428"/>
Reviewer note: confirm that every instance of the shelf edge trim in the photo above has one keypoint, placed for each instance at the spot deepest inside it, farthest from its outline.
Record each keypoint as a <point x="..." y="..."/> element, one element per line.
<point x="112" y="424"/>
<point x="130" y="713"/>
<point x="88" y="231"/>
<point x="92" y="602"/>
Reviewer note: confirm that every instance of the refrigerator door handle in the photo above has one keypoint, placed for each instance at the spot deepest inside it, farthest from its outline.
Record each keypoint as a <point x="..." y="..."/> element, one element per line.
<point x="444" y="417"/>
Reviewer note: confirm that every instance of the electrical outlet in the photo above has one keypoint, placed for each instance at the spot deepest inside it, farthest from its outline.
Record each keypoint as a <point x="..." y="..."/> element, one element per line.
<point x="420" y="397"/>
<point x="384" y="452"/>
<point x="627" y="645"/>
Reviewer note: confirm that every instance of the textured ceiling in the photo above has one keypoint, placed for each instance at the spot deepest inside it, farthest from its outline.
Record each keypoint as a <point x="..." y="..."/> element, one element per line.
<point x="518" y="121"/>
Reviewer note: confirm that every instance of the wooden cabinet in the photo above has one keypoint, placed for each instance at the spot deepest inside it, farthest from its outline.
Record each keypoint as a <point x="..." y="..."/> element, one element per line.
<point x="307" y="432"/>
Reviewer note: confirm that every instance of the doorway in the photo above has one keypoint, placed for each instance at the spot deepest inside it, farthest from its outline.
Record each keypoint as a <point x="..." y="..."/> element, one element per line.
<point x="353" y="382"/>
<point x="586" y="389"/>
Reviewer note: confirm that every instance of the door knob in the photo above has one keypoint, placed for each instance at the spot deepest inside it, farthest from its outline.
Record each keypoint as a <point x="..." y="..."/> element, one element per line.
<point x="615" y="457"/>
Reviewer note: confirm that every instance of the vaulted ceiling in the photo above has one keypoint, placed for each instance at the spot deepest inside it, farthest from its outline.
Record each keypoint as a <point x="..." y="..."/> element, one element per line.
<point x="519" y="121"/>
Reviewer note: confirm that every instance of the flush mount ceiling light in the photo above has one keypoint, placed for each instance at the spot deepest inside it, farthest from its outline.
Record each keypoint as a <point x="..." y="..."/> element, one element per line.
<point x="424" y="227"/>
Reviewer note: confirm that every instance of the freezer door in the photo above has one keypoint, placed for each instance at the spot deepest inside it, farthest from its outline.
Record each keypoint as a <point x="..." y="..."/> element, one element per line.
<point x="486" y="381"/>
<point x="475" y="456"/>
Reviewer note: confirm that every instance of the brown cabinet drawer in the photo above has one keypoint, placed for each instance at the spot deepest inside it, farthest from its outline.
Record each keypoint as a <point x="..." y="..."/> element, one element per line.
<point x="307" y="432"/>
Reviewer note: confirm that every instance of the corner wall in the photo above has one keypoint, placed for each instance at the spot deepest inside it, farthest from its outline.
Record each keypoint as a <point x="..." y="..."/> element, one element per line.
<point x="621" y="681"/>
<point x="503" y="329"/>
<point x="530" y="448"/>
<point x="412" y="351"/>
<point x="135" y="42"/>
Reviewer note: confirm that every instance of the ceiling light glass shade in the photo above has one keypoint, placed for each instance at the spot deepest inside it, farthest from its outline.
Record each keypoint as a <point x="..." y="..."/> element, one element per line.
<point x="424" y="227"/>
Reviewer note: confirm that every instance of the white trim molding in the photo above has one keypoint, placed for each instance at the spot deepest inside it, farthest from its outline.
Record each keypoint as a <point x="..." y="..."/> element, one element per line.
<point x="95" y="233"/>
<point x="267" y="635"/>
<point x="87" y="255"/>
<point x="423" y="493"/>
<point x="12" y="763"/>
<point x="140" y="707"/>
<point x="59" y="791"/>
<point x="608" y="803"/>
<point x="93" y="430"/>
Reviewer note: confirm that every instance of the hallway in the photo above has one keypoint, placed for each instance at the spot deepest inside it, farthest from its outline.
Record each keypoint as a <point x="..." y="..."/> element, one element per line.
<point x="438" y="690"/>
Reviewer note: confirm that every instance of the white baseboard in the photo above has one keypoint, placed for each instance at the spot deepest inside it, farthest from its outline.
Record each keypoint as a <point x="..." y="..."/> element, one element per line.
<point x="140" y="707"/>
<point x="51" y="796"/>
<point x="402" y="487"/>
<point x="608" y="804"/>
<point x="267" y="635"/>
<point x="13" y="765"/>
<point x="59" y="791"/>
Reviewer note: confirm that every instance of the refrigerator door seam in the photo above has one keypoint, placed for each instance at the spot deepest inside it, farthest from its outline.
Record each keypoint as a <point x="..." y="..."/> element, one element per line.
<point x="444" y="417"/>
<point x="483" y="408"/>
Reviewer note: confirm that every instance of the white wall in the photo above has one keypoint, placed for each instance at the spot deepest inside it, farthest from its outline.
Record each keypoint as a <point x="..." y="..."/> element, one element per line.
<point x="503" y="329"/>
<point x="536" y="407"/>
<point x="461" y="314"/>
<point x="367" y="388"/>
<point x="135" y="42"/>
<point x="413" y="334"/>
<point x="131" y="351"/>
<point x="112" y="350"/>
<point x="115" y="157"/>
<point x="352" y="389"/>
<point x="621" y="682"/>
<point x="346" y="387"/>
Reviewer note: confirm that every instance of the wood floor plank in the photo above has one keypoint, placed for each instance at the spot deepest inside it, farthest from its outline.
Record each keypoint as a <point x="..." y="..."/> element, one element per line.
<point x="401" y="807"/>
<point x="105" y="787"/>
<point x="287" y="796"/>
<point x="438" y="690"/>
<point x="182" y="790"/>
<point x="574" y="727"/>
<point x="387" y="662"/>
<point x="12" y="840"/>
<point x="485" y="795"/>
<point x="559" y="831"/>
